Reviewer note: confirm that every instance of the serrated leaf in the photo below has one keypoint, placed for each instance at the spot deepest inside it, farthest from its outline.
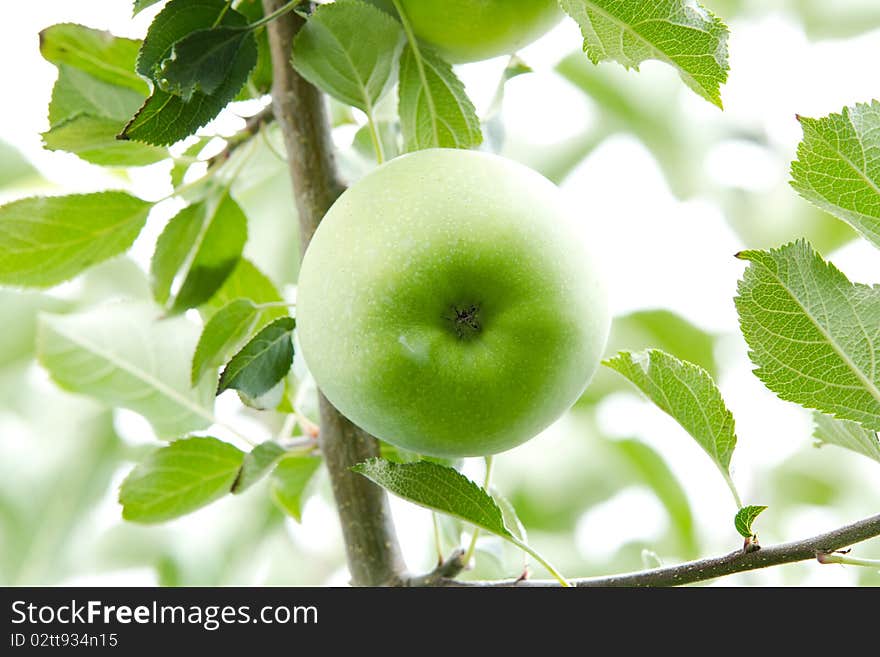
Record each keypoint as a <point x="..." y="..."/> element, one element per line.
<point x="289" y="482"/>
<point x="98" y="53"/>
<point x="744" y="519"/>
<point x="681" y="33"/>
<point x="199" y="247"/>
<point x="688" y="394"/>
<point x="165" y="118"/>
<point x="838" y="166"/>
<point x="125" y="356"/>
<point x="224" y="334"/>
<point x="262" y="362"/>
<point x="179" y="479"/>
<point x="438" y="488"/>
<point x="48" y="240"/>
<point x="257" y="464"/>
<point x="177" y="19"/>
<point x="348" y="49"/>
<point x="846" y="434"/>
<point x="202" y="60"/>
<point x="246" y="282"/>
<point x="93" y="138"/>
<point x="814" y="335"/>
<point x="435" y="111"/>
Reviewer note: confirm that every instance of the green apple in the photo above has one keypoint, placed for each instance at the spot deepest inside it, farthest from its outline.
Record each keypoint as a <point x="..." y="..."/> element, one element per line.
<point x="470" y="30"/>
<point x="447" y="304"/>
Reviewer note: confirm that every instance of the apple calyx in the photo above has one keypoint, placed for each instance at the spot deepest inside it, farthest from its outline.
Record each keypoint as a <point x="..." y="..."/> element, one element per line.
<point x="466" y="321"/>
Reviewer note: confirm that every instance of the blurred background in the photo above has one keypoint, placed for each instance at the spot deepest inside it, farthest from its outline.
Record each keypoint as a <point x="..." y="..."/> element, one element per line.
<point x="667" y="189"/>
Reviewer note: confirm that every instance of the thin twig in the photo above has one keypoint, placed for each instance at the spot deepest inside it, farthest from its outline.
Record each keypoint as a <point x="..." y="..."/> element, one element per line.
<point x="704" y="569"/>
<point x="444" y="571"/>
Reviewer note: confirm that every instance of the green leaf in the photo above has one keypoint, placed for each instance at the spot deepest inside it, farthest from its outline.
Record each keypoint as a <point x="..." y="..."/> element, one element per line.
<point x="98" y="53"/>
<point x="838" y="166"/>
<point x="93" y="138"/>
<point x="435" y="111"/>
<point x="200" y="247"/>
<point x="263" y="361"/>
<point x="86" y="114"/>
<point x="289" y="481"/>
<point x="76" y="93"/>
<point x="683" y="34"/>
<point x="166" y="118"/>
<point x="125" y="356"/>
<point x="846" y="434"/>
<point x="257" y="464"/>
<point x="225" y="334"/>
<point x="178" y="479"/>
<point x="438" y="488"/>
<point x="176" y="21"/>
<point x="202" y="60"/>
<point x="687" y="393"/>
<point x="744" y="519"/>
<point x="814" y="336"/>
<point x="246" y="282"/>
<point x="140" y="5"/>
<point x="48" y="240"/>
<point x="348" y="50"/>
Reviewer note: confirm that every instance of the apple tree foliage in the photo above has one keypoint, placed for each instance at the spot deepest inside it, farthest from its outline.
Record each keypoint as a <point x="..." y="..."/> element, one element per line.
<point x="213" y="319"/>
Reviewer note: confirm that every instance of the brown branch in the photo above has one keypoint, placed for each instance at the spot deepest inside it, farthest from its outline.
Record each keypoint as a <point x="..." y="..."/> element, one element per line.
<point x="704" y="569"/>
<point x="371" y="543"/>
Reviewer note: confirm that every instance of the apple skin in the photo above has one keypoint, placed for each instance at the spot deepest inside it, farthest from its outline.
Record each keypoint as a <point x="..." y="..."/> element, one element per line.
<point x="471" y="30"/>
<point x="447" y="305"/>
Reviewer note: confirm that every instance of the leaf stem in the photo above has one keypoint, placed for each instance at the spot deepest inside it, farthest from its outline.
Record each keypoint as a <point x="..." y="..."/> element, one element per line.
<point x="846" y="560"/>
<point x="486" y="481"/>
<point x="374" y="136"/>
<point x="275" y="14"/>
<point x="541" y="560"/>
<point x="222" y="14"/>
<point x="729" y="480"/>
<point x="437" y="546"/>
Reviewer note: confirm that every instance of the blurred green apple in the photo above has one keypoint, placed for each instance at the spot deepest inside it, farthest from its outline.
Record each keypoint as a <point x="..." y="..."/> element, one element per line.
<point x="470" y="30"/>
<point x="448" y="306"/>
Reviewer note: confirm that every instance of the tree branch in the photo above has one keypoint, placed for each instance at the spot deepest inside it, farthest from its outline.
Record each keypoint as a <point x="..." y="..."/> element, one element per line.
<point x="698" y="571"/>
<point x="444" y="572"/>
<point x="371" y="543"/>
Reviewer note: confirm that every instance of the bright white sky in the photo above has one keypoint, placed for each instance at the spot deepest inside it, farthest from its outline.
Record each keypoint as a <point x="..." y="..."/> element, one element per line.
<point x="656" y="250"/>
